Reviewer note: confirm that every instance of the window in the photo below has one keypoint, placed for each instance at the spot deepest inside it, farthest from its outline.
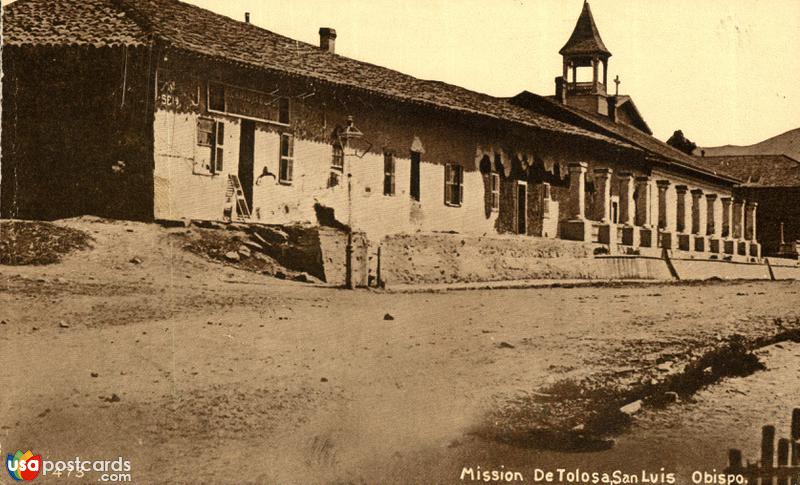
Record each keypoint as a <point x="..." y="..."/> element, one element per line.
<point x="337" y="159"/>
<point x="205" y="132"/>
<point x="283" y="111"/>
<point x="453" y="184"/>
<point x="494" y="181"/>
<point x="286" y="168"/>
<point x="216" y="97"/>
<point x="388" y="173"/>
<point x="211" y="134"/>
<point x="415" y="189"/>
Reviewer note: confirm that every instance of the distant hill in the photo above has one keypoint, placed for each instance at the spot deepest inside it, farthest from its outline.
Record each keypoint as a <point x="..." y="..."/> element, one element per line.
<point x="786" y="144"/>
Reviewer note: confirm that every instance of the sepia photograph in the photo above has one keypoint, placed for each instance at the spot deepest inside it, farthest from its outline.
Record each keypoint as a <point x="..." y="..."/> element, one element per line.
<point x="382" y="242"/>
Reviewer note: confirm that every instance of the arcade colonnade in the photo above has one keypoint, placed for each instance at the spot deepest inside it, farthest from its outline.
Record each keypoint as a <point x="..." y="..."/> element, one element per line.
<point x="686" y="222"/>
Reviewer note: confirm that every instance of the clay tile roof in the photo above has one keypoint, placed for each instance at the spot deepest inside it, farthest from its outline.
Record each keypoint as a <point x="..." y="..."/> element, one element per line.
<point x="199" y="31"/>
<point x="621" y="131"/>
<point x="69" y="22"/>
<point x="756" y="170"/>
<point x="585" y="39"/>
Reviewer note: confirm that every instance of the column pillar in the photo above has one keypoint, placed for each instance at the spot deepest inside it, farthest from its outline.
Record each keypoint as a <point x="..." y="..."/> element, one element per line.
<point x="665" y="237"/>
<point x="712" y="231"/>
<point x="577" y="190"/>
<point x="684" y="242"/>
<point x="738" y="219"/>
<point x="577" y="228"/>
<point x="726" y="217"/>
<point x="738" y="226"/>
<point x="662" y="185"/>
<point x="607" y="233"/>
<point x="643" y="211"/>
<point x="627" y="210"/>
<point x="626" y="202"/>
<point x="602" y="194"/>
<point x="728" y="246"/>
<point x="698" y="238"/>
<point x="750" y="229"/>
<point x="749" y="221"/>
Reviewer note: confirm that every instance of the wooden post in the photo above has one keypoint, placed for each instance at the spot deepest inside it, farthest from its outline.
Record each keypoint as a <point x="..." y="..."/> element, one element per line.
<point x="796" y="437"/>
<point x="783" y="458"/>
<point x="767" y="446"/>
<point x="734" y="460"/>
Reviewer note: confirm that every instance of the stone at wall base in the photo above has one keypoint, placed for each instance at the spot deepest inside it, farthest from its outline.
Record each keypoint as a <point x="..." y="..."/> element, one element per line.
<point x="667" y="240"/>
<point x="699" y="243"/>
<point x="684" y="242"/>
<point x="715" y="245"/>
<point x="630" y="236"/>
<point x="728" y="246"/>
<point x="646" y="237"/>
<point x="741" y="248"/>
<point x="755" y="249"/>
<point x="576" y="230"/>
<point x="607" y="233"/>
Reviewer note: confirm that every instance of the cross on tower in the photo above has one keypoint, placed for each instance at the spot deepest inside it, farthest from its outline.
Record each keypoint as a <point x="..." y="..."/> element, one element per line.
<point x="617" y="82"/>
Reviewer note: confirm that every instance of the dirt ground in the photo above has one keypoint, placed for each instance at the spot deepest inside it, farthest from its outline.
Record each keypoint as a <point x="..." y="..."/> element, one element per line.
<point x="224" y="376"/>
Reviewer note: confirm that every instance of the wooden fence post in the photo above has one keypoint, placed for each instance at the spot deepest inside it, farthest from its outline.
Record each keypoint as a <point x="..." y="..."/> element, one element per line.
<point x="767" y="446"/>
<point x="783" y="458"/>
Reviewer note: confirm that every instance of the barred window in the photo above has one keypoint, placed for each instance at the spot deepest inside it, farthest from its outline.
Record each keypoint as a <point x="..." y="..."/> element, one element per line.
<point x="388" y="173"/>
<point x="453" y="184"/>
<point x="286" y="167"/>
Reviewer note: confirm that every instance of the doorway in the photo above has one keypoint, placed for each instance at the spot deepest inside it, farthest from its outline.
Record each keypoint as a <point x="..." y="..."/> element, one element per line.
<point x="247" y="140"/>
<point x="522" y="208"/>
<point x="415" y="183"/>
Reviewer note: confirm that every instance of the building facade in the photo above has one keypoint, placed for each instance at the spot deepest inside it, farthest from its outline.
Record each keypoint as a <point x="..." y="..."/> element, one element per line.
<point x="156" y="109"/>
<point x="773" y="183"/>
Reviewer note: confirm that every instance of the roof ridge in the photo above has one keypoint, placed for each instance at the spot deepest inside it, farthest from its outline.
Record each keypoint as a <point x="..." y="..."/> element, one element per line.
<point x="131" y="11"/>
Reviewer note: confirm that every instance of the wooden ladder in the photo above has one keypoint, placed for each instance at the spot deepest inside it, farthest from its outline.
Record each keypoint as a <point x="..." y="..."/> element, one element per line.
<point x="234" y="198"/>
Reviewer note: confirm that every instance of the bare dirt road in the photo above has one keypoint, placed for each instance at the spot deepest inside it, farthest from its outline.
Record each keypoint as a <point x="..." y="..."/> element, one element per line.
<point x="200" y="373"/>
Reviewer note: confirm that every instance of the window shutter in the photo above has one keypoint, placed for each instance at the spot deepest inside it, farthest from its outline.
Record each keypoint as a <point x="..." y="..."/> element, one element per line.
<point x="460" y="184"/>
<point x="219" y="149"/>
<point x="447" y="186"/>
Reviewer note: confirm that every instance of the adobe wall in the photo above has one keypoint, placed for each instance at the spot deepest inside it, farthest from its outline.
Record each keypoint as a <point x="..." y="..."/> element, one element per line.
<point x="441" y="258"/>
<point x="76" y="133"/>
<point x="317" y="111"/>
<point x="699" y="269"/>
<point x="454" y="258"/>
<point x="785" y="269"/>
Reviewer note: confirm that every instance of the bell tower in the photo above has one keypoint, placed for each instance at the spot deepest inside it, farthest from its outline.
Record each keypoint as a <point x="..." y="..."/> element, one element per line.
<point x="584" y="49"/>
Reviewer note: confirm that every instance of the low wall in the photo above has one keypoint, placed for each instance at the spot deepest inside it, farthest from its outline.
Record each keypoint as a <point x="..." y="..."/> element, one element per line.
<point x="703" y="269"/>
<point x="785" y="269"/>
<point x="441" y="258"/>
<point x="453" y="258"/>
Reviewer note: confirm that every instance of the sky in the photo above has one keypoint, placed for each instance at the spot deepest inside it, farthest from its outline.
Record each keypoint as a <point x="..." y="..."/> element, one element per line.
<point x="723" y="71"/>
